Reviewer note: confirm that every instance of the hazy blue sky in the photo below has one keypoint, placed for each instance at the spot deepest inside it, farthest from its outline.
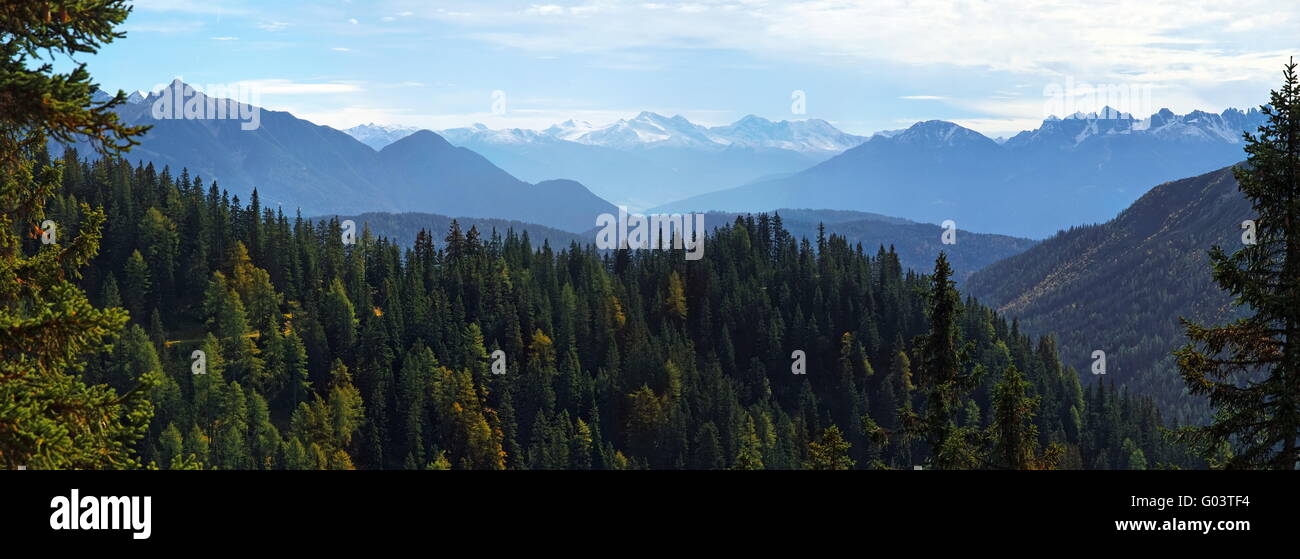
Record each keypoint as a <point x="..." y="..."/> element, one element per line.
<point x="864" y="66"/>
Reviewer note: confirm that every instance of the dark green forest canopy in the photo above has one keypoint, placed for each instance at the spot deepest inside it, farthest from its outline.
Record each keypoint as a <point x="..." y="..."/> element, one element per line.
<point x="321" y="355"/>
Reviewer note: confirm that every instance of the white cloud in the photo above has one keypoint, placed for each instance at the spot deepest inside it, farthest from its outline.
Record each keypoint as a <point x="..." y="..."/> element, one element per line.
<point x="225" y="38"/>
<point x="272" y="26"/>
<point x="1189" y="50"/>
<point x="341" y="49"/>
<point x="1195" y="53"/>
<point x="546" y="9"/>
<point x="1104" y="39"/>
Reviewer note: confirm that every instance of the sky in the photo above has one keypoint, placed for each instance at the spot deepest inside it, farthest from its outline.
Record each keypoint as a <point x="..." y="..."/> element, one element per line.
<point x="994" y="66"/>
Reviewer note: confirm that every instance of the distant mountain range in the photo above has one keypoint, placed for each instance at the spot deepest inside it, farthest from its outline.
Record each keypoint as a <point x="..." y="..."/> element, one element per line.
<point x="1076" y="170"/>
<point x="647" y="160"/>
<point x="1080" y="169"/>
<point x="650" y="129"/>
<point x="377" y="136"/>
<point x="1120" y="286"/>
<point x="320" y="170"/>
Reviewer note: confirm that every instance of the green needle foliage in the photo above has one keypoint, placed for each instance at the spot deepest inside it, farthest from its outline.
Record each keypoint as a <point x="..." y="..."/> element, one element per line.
<point x="941" y="377"/>
<point x="49" y="417"/>
<point x="1250" y="369"/>
<point x="477" y="350"/>
<point x="40" y="103"/>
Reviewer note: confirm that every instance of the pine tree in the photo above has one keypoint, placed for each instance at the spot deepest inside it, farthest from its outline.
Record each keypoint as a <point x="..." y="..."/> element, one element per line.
<point x="197" y="445"/>
<point x="339" y="319"/>
<point x="707" y="449"/>
<point x="675" y="301"/>
<point x="580" y="446"/>
<point x="230" y="433"/>
<point x="263" y="438"/>
<point x="172" y="445"/>
<point x="830" y="452"/>
<point x="750" y="456"/>
<point x="1250" y="369"/>
<point x="135" y="276"/>
<point x="1014" y="435"/>
<point x="158" y="236"/>
<point x="939" y="375"/>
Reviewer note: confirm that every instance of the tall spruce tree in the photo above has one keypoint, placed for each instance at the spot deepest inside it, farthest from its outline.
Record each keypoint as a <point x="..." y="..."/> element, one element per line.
<point x="940" y="377"/>
<point x="1250" y="369"/>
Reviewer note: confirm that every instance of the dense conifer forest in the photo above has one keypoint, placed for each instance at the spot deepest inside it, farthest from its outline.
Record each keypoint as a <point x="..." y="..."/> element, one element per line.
<point x="318" y="353"/>
<point x="150" y="319"/>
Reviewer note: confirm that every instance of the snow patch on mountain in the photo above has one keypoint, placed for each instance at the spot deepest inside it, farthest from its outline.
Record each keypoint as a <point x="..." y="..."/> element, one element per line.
<point x="1196" y="126"/>
<point x="478" y="132"/>
<point x="653" y="130"/>
<point x="646" y="130"/>
<point x="378" y="136"/>
<point x="800" y="135"/>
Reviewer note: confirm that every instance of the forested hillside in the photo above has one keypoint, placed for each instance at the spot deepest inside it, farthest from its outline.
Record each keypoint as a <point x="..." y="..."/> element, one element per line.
<point x="1121" y="286"/>
<point x="318" y="354"/>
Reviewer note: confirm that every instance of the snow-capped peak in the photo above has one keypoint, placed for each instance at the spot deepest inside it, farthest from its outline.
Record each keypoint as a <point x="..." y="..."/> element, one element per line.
<point x="1197" y="126"/>
<point x="370" y="126"/>
<point x="651" y="129"/>
<point x="646" y="130"/>
<point x="569" y="130"/>
<point x="479" y="132"/>
<point x="379" y="135"/>
<point x="798" y="135"/>
<point x="1106" y="113"/>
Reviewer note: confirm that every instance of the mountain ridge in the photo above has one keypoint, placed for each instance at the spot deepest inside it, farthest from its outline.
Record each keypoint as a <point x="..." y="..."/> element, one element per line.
<point x="1077" y="170"/>
<point x="319" y="170"/>
<point x="1120" y="286"/>
<point x="652" y="159"/>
